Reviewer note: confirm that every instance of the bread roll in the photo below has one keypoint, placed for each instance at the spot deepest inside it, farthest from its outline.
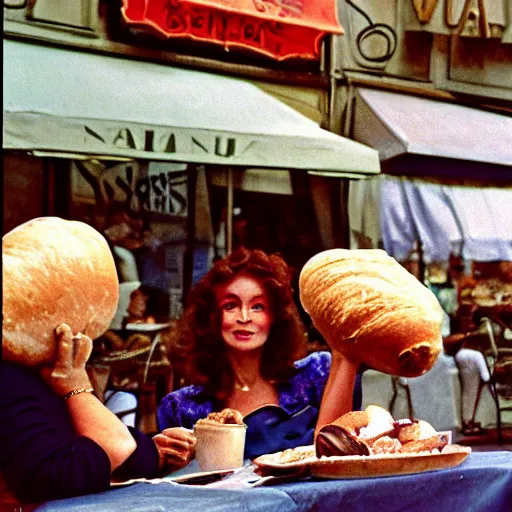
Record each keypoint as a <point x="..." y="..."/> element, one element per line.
<point x="386" y="444"/>
<point x="424" y="445"/>
<point x="368" y="307"/>
<point x="354" y="433"/>
<point x="380" y="423"/>
<point x="374" y="431"/>
<point x="352" y="421"/>
<point x="54" y="271"/>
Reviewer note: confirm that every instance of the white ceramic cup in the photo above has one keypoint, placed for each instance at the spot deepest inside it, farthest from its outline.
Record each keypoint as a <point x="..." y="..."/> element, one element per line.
<point x="219" y="446"/>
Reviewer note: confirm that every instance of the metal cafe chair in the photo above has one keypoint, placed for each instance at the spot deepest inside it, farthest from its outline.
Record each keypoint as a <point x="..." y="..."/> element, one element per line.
<point x="401" y="383"/>
<point x="146" y="368"/>
<point x="499" y="363"/>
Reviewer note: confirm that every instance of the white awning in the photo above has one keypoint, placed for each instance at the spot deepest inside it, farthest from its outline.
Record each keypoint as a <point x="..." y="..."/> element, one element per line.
<point x="474" y="222"/>
<point x="398" y="124"/>
<point x="63" y="102"/>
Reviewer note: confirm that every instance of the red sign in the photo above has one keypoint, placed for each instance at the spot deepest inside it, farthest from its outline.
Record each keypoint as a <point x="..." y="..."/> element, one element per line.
<point x="278" y="28"/>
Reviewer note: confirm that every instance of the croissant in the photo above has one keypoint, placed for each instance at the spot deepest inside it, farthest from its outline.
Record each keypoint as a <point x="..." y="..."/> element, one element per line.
<point x="372" y="310"/>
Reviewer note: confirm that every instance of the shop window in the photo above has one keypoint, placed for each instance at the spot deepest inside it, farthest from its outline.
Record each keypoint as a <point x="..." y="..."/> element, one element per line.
<point x="76" y="13"/>
<point x="24" y="189"/>
<point x="82" y="14"/>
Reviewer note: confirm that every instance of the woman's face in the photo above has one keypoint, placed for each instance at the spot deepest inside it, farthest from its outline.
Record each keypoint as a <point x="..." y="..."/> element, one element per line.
<point x="246" y="316"/>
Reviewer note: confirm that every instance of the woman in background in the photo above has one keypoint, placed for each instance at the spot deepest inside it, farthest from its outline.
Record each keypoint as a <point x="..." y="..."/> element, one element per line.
<point x="244" y="342"/>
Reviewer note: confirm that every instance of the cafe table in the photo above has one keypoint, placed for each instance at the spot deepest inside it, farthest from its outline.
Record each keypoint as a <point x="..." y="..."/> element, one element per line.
<point x="482" y="483"/>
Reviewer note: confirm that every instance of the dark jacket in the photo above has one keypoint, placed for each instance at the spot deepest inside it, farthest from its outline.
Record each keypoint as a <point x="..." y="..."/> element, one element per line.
<point x="41" y="456"/>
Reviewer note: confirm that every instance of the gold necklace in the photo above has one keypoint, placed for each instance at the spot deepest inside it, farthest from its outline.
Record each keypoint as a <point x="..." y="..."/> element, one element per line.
<point x="241" y="386"/>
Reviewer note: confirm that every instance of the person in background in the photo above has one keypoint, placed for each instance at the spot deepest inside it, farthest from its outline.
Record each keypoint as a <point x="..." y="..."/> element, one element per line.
<point x="58" y="440"/>
<point x="472" y="369"/>
<point x="473" y="374"/>
<point x="244" y="341"/>
<point x="471" y="366"/>
<point x="127" y="233"/>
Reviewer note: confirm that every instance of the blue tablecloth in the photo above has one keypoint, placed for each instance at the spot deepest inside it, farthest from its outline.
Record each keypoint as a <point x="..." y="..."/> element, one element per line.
<point x="483" y="482"/>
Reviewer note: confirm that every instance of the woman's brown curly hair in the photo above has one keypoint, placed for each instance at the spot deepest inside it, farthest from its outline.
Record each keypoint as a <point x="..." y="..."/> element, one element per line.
<point x="200" y="328"/>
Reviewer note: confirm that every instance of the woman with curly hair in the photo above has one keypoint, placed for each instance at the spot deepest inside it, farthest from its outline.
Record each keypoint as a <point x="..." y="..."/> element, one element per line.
<point x="244" y="339"/>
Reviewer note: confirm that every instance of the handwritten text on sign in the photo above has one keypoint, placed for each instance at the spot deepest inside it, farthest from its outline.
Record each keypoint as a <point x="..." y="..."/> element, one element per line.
<point x="175" y="18"/>
<point x="164" y="191"/>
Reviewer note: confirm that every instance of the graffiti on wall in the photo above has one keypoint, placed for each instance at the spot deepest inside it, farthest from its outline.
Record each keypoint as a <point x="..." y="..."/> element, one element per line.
<point x="161" y="189"/>
<point x="376" y="42"/>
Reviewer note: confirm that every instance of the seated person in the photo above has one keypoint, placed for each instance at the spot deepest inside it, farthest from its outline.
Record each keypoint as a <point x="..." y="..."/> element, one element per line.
<point x="58" y="440"/>
<point x="473" y="375"/>
<point x="243" y="338"/>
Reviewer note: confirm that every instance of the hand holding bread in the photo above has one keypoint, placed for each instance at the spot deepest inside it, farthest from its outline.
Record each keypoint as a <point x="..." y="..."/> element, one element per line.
<point x="372" y="310"/>
<point x="68" y="372"/>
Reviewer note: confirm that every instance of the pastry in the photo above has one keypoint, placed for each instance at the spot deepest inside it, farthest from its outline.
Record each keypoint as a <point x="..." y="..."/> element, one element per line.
<point x="374" y="431"/>
<point x="354" y="432"/>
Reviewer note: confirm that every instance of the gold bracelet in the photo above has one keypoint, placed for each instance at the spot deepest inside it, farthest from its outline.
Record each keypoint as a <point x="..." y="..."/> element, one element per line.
<point x="67" y="396"/>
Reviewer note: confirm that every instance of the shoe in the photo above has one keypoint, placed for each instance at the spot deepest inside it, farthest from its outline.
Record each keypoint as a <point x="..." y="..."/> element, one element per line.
<point x="472" y="429"/>
<point x="466" y="429"/>
<point x="477" y="430"/>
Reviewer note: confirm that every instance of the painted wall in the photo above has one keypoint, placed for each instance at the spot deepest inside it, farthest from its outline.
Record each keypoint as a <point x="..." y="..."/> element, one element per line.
<point x="460" y="46"/>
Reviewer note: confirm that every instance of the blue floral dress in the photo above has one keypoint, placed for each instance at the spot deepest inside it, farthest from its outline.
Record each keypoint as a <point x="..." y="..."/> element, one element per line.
<point x="270" y="428"/>
<point x="183" y="407"/>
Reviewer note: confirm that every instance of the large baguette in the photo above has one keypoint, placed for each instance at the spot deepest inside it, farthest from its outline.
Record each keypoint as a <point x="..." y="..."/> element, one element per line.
<point x="368" y="307"/>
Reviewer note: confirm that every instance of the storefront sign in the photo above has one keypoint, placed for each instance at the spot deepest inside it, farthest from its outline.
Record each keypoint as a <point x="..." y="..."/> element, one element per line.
<point x="472" y="18"/>
<point x="166" y="141"/>
<point x="277" y="28"/>
<point x="424" y="9"/>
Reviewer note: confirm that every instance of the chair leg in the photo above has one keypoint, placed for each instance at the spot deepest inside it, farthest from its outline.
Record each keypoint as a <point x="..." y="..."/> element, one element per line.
<point x="409" y="401"/>
<point x="477" y="400"/>
<point x="494" y="393"/>
<point x="394" y="381"/>
<point x="396" y="384"/>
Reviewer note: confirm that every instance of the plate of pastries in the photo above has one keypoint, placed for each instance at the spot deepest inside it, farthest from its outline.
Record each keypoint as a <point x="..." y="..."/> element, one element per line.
<point x="367" y="444"/>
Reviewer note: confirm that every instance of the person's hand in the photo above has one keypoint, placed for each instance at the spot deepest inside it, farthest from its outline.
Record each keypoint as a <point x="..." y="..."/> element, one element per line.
<point x="176" y="447"/>
<point x="68" y="371"/>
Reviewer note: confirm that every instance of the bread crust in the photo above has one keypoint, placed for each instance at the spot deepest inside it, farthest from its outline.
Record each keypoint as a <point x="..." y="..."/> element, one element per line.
<point x="409" y="433"/>
<point x="423" y="445"/>
<point x="372" y="310"/>
<point x="54" y="271"/>
<point x="352" y="421"/>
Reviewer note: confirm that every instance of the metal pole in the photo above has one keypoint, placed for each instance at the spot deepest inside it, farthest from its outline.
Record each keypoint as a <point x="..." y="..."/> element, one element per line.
<point x="229" y="213"/>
